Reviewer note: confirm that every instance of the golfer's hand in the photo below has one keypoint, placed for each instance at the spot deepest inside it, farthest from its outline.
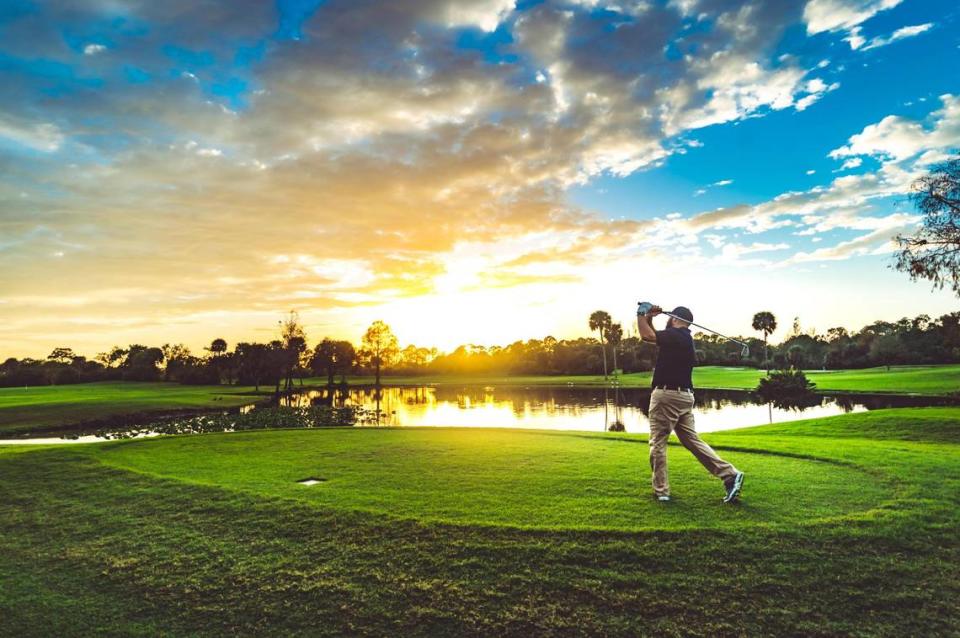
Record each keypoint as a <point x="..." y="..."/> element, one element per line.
<point x="656" y="310"/>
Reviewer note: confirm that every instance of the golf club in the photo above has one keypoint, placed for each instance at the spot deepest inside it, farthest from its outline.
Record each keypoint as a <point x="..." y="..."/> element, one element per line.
<point x="645" y="306"/>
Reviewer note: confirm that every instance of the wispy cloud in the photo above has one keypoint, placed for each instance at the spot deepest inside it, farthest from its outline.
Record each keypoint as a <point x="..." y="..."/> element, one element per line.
<point x="842" y="15"/>
<point x="43" y="136"/>
<point x="858" y="42"/>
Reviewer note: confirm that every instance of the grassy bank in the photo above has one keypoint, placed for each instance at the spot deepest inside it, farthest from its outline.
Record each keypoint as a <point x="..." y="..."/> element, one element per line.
<point x="23" y="409"/>
<point x="487" y="532"/>
<point x="942" y="379"/>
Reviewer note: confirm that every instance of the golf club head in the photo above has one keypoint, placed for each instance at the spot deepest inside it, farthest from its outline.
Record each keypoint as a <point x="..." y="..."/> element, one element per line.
<point x="644" y="307"/>
<point x="745" y="353"/>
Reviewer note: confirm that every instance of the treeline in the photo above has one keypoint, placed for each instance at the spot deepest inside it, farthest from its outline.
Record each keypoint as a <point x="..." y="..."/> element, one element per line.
<point x="283" y="362"/>
<point x="920" y="340"/>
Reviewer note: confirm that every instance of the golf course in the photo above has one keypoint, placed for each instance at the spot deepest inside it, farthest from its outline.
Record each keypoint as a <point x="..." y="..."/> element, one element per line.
<point x="480" y="318"/>
<point x="39" y="408"/>
<point x="847" y="526"/>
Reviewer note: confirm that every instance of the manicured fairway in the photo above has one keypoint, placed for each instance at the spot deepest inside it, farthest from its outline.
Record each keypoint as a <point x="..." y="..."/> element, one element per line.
<point x="433" y="532"/>
<point x="23" y="409"/>
<point x="505" y="477"/>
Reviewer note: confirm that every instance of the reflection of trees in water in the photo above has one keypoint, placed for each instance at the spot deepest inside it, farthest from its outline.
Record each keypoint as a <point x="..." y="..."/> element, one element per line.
<point x="526" y="401"/>
<point x="415" y="396"/>
<point x="844" y="403"/>
<point x="618" y="403"/>
<point x="797" y="403"/>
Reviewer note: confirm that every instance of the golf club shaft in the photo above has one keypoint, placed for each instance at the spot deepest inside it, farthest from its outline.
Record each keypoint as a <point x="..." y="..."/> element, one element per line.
<point x="704" y="328"/>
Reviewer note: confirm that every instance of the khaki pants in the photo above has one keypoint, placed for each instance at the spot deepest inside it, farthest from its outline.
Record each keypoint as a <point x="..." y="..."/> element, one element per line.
<point x="672" y="411"/>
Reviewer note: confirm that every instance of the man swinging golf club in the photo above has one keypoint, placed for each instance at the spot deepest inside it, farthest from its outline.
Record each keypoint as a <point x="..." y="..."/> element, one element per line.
<point x="671" y="402"/>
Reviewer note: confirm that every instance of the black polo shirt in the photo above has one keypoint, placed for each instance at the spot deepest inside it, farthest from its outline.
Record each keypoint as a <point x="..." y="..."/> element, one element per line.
<point x="675" y="358"/>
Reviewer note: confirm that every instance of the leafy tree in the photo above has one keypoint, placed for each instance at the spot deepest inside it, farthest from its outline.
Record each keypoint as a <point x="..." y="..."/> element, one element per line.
<point x="614" y="337"/>
<point x="796" y="356"/>
<point x="949" y="332"/>
<point x="253" y="364"/>
<point x="217" y="347"/>
<point x="796" y="330"/>
<point x="933" y="253"/>
<point x="380" y="347"/>
<point x="885" y="349"/>
<point x="837" y="334"/>
<point x="294" y="340"/>
<point x="277" y="358"/>
<point x="142" y="363"/>
<point x="766" y="323"/>
<point x="61" y="355"/>
<point x="112" y="358"/>
<point x="178" y="359"/>
<point x="332" y="357"/>
<point x="600" y="321"/>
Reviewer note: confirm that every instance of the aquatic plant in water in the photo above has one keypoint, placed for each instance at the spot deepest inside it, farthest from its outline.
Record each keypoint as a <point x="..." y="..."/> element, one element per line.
<point x="314" y="416"/>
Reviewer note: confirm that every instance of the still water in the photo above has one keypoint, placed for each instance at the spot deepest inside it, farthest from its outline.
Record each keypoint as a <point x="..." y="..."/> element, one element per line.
<point x="563" y="408"/>
<point x="555" y="408"/>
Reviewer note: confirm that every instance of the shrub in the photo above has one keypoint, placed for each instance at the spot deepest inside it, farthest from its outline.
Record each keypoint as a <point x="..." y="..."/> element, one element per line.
<point x="788" y="389"/>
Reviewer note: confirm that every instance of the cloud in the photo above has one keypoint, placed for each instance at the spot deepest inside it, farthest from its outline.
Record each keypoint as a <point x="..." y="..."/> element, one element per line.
<point x="93" y="49"/>
<point x="733" y="252"/>
<point x="848" y="16"/>
<point x="899" y="34"/>
<point x="718" y="184"/>
<point x="904" y="148"/>
<point x="485" y="14"/>
<point x="45" y="137"/>
<point x="880" y="241"/>
<point x="898" y="138"/>
<point x="815" y="89"/>
<point x="842" y="15"/>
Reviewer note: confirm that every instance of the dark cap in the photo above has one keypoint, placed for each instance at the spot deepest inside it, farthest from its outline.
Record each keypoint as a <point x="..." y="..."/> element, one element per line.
<point x="683" y="312"/>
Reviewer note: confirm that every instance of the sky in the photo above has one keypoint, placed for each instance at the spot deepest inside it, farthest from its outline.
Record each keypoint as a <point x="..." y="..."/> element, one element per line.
<point x="469" y="171"/>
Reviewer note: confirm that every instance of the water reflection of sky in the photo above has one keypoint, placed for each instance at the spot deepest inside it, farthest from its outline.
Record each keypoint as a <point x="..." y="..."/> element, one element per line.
<point x="557" y="408"/>
<point x="591" y="409"/>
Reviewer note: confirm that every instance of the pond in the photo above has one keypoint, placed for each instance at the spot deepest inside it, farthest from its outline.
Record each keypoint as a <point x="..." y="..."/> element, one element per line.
<point x="579" y="408"/>
<point x="510" y="406"/>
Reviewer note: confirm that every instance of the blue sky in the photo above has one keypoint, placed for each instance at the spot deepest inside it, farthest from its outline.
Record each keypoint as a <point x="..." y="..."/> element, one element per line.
<point x="476" y="171"/>
<point x="767" y="155"/>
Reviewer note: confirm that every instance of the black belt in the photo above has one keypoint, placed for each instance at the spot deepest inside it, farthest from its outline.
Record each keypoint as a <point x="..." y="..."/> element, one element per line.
<point x="672" y="387"/>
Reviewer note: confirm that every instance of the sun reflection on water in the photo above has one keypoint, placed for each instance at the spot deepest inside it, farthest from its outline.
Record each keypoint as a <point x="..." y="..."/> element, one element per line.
<point x="560" y="408"/>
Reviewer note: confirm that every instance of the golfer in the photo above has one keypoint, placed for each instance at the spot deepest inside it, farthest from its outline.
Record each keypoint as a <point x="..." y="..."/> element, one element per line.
<point x="671" y="403"/>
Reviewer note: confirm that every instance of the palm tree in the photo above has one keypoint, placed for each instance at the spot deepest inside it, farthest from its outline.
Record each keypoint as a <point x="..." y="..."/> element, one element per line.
<point x="614" y="336"/>
<point x="766" y="323"/>
<point x="600" y="320"/>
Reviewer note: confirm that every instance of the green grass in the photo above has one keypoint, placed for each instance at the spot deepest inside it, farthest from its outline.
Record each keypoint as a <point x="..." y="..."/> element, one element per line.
<point x="488" y="476"/>
<point x="942" y="379"/>
<point x="845" y="529"/>
<point x="44" y="407"/>
<point x="923" y="424"/>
